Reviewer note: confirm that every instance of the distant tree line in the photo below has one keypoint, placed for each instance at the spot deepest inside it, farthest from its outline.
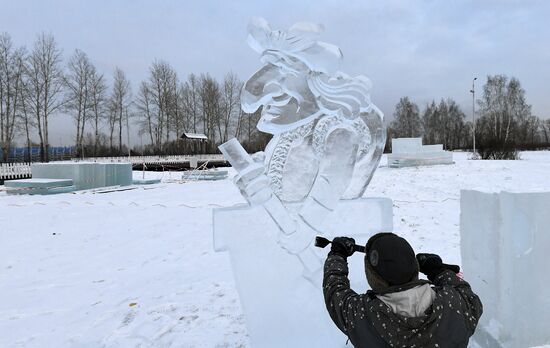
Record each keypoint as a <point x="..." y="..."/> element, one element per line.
<point x="504" y="122"/>
<point x="36" y="84"/>
<point x="166" y="107"/>
<point x="440" y="123"/>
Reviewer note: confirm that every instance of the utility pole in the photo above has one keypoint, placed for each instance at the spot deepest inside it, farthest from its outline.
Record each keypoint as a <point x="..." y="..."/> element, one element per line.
<point x="473" y="91"/>
<point x="128" y="132"/>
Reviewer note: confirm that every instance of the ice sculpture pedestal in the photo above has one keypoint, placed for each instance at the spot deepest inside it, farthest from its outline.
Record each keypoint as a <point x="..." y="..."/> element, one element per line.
<point x="505" y="238"/>
<point x="281" y="307"/>
<point x="409" y="152"/>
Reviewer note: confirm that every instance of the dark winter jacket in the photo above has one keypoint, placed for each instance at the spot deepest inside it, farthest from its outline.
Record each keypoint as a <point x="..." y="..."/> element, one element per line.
<point x="369" y="320"/>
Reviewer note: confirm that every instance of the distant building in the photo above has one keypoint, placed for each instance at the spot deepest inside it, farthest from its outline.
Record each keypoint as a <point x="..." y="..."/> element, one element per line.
<point x="194" y="143"/>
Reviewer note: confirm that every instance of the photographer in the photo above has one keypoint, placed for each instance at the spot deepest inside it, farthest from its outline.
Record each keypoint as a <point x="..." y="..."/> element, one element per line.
<point x="400" y="310"/>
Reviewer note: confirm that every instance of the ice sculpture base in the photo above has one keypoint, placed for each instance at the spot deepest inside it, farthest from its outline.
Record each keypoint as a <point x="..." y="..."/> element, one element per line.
<point x="281" y="307"/>
<point x="409" y="152"/>
<point x="505" y="238"/>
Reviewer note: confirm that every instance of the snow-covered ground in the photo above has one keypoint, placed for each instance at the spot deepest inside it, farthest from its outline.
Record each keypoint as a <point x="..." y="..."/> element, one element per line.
<point x="137" y="269"/>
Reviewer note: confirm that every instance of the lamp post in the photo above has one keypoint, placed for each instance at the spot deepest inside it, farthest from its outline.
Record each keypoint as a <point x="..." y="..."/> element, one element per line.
<point x="473" y="91"/>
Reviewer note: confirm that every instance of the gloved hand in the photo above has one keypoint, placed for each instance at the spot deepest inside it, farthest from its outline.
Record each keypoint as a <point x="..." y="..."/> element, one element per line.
<point x="432" y="265"/>
<point x="343" y="246"/>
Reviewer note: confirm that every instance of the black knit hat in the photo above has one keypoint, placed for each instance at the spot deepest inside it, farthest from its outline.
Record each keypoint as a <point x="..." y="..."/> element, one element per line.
<point x="392" y="258"/>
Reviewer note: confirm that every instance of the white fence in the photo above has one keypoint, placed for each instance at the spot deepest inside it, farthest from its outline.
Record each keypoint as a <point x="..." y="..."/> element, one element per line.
<point x="23" y="170"/>
<point x="14" y="171"/>
<point x="153" y="159"/>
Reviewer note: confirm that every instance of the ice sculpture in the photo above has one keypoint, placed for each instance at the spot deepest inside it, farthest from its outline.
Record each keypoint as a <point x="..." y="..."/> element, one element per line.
<point x="327" y="141"/>
<point x="328" y="136"/>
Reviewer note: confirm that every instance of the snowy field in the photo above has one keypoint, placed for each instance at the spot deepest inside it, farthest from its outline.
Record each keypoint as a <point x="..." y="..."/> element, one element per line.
<point x="137" y="268"/>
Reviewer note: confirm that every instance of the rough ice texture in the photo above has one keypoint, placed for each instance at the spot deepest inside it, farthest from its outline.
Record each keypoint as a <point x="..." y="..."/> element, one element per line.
<point x="505" y="238"/>
<point x="281" y="308"/>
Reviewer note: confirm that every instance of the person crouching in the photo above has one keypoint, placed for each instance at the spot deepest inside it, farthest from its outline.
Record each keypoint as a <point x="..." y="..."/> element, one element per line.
<point x="401" y="310"/>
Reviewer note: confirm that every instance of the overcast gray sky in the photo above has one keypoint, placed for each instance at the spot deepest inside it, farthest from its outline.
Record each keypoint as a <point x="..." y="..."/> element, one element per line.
<point x="422" y="49"/>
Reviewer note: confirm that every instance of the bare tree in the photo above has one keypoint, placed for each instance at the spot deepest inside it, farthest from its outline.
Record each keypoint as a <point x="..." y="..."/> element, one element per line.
<point x="28" y="121"/>
<point x="190" y="101"/>
<point x="119" y="103"/>
<point x="230" y="106"/>
<point x="12" y="68"/>
<point x="112" y="121"/>
<point x="79" y="81"/>
<point x="241" y="118"/>
<point x="159" y="104"/>
<point x="406" y="121"/>
<point x="444" y="123"/>
<point x="503" y="110"/>
<point x="210" y="97"/>
<point x="45" y="85"/>
<point x="163" y="83"/>
<point x="455" y="125"/>
<point x="98" y="95"/>
<point x="533" y="126"/>
<point x="144" y="111"/>
<point x="545" y="128"/>
<point x="178" y="118"/>
<point x="249" y="134"/>
<point x="431" y="123"/>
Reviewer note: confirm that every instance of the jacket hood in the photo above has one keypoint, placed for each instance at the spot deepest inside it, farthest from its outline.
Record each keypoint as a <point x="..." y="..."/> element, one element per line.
<point x="410" y="303"/>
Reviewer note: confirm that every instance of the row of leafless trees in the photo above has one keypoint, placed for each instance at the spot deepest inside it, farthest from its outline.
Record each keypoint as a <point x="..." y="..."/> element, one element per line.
<point x="167" y="106"/>
<point x="440" y="123"/>
<point x="504" y="122"/>
<point x="36" y="84"/>
<point x="30" y="87"/>
<point x="88" y="101"/>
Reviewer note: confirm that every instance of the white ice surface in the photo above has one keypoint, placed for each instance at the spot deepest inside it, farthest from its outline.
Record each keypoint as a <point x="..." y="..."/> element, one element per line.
<point x="505" y="251"/>
<point x="152" y="247"/>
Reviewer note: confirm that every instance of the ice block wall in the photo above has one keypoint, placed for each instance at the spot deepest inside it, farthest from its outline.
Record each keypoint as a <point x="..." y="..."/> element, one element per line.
<point x="86" y="175"/>
<point x="406" y="145"/>
<point x="505" y="239"/>
<point x="409" y="152"/>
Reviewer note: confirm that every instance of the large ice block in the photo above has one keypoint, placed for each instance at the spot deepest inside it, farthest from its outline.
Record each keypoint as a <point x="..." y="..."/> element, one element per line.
<point x="204" y="175"/>
<point x="123" y="174"/>
<point x="406" y="145"/>
<point x="38" y="183"/>
<point x="409" y="152"/>
<point x="40" y="190"/>
<point x="86" y="175"/>
<point x="146" y="181"/>
<point x="39" y="186"/>
<point x="281" y="307"/>
<point x="505" y="238"/>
